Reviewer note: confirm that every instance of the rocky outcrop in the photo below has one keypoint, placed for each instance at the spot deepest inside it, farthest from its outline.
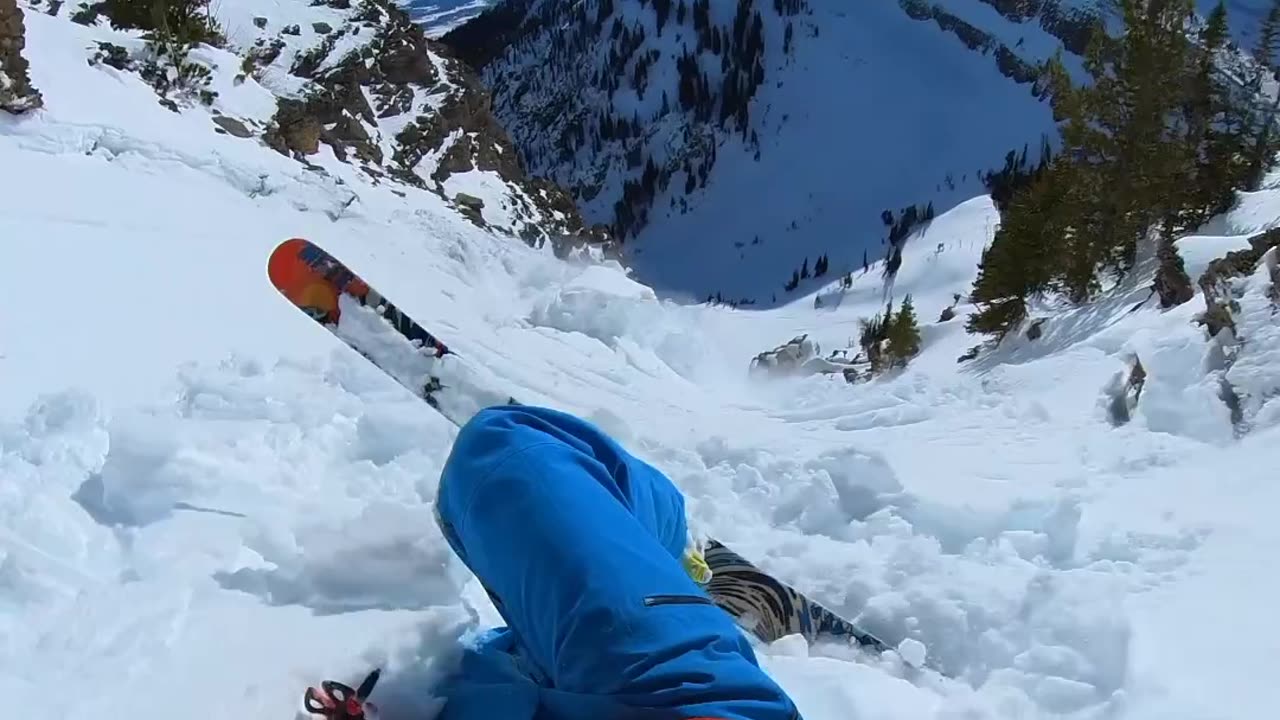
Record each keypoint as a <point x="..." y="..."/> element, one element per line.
<point x="294" y="131"/>
<point x="395" y="76"/>
<point x="1172" y="283"/>
<point x="1215" y="281"/>
<point x="1122" y="394"/>
<point x="16" y="92"/>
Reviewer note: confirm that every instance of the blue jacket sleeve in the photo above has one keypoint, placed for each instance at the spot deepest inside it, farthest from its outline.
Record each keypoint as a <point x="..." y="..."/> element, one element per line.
<point x="578" y="543"/>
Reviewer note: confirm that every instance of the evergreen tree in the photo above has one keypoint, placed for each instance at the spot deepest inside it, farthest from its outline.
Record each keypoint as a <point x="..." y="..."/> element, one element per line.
<point x="1261" y="123"/>
<point x="1024" y="256"/>
<point x="1210" y="128"/>
<point x="1153" y="143"/>
<point x="903" y="335"/>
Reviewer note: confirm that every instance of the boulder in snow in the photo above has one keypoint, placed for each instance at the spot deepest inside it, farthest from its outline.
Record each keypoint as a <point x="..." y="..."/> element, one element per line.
<point x="232" y="126"/>
<point x="17" y="96"/>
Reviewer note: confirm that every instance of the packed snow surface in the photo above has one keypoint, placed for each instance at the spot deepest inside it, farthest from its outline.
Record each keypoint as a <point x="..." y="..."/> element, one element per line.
<point x="207" y="502"/>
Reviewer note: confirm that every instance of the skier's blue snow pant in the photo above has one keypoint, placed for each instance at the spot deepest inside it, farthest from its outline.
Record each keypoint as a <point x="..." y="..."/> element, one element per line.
<point x="578" y="543"/>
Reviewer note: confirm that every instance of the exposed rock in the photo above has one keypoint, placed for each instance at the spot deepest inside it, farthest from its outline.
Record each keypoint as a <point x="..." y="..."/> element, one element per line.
<point x="786" y="359"/>
<point x="800" y="356"/>
<point x="232" y="126"/>
<point x="1215" y="318"/>
<point x="948" y="313"/>
<point x="308" y="63"/>
<point x="1171" y="281"/>
<point x="1215" y="281"/>
<point x="1037" y="329"/>
<point x="1229" y="397"/>
<point x="322" y="28"/>
<point x="1272" y="259"/>
<point x="470" y="201"/>
<point x="457" y="159"/>
<point x="294" y="129"/>
<point x="112" y="56"/>
<point x="17" y="96"/>
<point x="264" y="54"/>
<point x="260" y="22"/>
<point x="390" y="74"/>
<point x="1123" y="392"/>
<point x="471" y="208"/>
<point x="291" y="30"/>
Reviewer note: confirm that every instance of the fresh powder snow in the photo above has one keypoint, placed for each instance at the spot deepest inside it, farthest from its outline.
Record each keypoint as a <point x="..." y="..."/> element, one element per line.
<point x="208" y="503"/>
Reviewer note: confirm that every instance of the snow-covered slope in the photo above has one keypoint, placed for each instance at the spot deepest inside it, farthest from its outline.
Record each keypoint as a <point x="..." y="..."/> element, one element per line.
<point x="732" y="143"/>
<point x="206" y="504"/>
<point x="440" y="16"/>
<point x="352" y="91"/>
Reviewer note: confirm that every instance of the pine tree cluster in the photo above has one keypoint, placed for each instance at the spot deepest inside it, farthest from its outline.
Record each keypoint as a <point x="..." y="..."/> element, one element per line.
<point x="1156" y="142"/>
<point x="820" y="267"/>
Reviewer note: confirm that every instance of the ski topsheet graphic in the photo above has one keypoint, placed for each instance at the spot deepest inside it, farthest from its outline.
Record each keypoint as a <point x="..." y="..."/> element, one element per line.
<point x="346" y="305"/>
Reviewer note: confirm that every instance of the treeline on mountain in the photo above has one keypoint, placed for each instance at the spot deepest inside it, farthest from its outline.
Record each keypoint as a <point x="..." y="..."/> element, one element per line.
<point x="1156" y="142"/>
<point x="723" y="101"/>
<point x="478" y="41"/>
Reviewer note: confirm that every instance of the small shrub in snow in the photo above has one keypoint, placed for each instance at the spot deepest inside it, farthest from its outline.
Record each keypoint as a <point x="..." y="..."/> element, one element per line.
<point x="112" y="56"/>
<point x="167" y="68"/>
<point x="184" y="22"/>
<point x="172" y="28"/>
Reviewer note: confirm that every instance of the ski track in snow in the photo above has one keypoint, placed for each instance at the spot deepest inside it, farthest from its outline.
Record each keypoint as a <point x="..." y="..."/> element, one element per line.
<point x="202" y="489"/>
